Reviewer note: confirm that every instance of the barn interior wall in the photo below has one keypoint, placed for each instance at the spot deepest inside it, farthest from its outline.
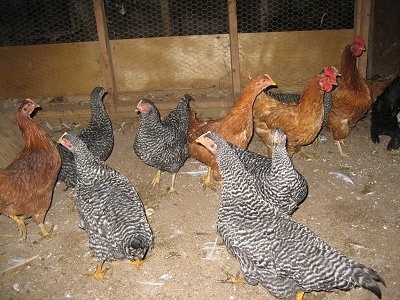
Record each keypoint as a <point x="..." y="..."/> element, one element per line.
<point x="173" y="63"/>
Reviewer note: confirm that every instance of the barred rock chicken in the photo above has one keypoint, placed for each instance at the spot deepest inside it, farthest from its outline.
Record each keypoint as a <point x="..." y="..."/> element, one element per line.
<point x="163" y="143"/>
<point x="285" y="194"/>
<point x="98" y="136"/>
<point x="384" y="115"/>
<point x="111" y="209"/>
<point x="272" y="248"/>
<point x="26" y="185"/>
<point x="302" y="120"/>
<point x="352" y="98"/>
<point x="236" y="127"/>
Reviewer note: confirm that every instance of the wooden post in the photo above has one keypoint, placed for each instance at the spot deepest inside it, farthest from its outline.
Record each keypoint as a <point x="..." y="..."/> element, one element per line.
<point x="362" y="13"/>
<point x="234" y="48"/>
<point x="107" y="64"/>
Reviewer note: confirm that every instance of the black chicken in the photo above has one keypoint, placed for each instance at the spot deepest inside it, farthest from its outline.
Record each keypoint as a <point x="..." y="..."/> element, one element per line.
<point x="384" y="115"/>
<point x="110" y="208"/>
<point x="285" y="194"/>
<point x="98" y="136"/>
<point x="162" y="144"/>
<point x="273" y="249"/>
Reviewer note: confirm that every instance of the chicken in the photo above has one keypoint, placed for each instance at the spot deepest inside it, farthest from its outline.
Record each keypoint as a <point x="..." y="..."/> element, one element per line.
<point x="272" y="248"/>
<point x="236" y="127"/>
<point x="378" y="84"/>
<point x="98" y="136"/>
<point x="110" y="207"/>
<point x="384" y="115"/>
<point x="268" y="172"/>
<point x="352" y="98"/>
<point x="163" y="143"/>
<point x="302" y="120"/>
<point x="26" y="185"/>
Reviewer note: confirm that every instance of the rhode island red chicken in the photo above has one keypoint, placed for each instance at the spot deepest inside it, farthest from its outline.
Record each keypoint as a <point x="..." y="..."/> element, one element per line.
<point x="26" y="185"/>
<point x="353" y="98"/>
<point x="236" y="127"/>
<point x="302" y="120"/>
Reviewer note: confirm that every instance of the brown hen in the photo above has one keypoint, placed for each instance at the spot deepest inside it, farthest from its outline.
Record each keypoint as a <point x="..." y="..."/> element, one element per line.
<point x="236" y="127"/>
<point x="26" y="185"/>
<point x="302" y="120"/>
<point x="353" y="98"/>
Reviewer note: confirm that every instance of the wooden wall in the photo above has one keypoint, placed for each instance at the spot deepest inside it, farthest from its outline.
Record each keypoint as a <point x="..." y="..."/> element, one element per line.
<point x="176" y="63"/>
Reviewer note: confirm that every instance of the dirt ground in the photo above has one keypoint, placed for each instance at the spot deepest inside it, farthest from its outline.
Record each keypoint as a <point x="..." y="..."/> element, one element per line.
<point x="360" y="217"/>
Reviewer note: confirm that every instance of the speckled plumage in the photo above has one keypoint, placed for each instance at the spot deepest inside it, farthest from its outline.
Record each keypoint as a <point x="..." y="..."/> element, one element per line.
<point x="162" y="143"/>
<point x="278" y="181"/>
<point x="271" y="247"/>
<point x="110" y="208"/>
<point x="98" y="136"/>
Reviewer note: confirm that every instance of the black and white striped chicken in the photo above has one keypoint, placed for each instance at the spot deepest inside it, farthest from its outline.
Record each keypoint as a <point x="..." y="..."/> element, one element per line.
<point x="162" y="143"/>
<point x="272" y="248"/>
<point x="97" y="135"/>
<point x="285" y="194"/>
<point x="110" y="208"/>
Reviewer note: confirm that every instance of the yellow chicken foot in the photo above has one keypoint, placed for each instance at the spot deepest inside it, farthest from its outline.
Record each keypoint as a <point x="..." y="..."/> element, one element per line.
<point x="43" y="230"/>
<point x="99" y="274"/>
<point x="299" y="295"/>
<point x="157" y="178"/>
<point x="234" y="279"/>
<point x="21" y="227"/>
<point x="137" y="263"/>
<point x="207" y="180"/>
<point x="172" y="188"/>
<point x="306" y="154"/>
<point x="342" y="154"/>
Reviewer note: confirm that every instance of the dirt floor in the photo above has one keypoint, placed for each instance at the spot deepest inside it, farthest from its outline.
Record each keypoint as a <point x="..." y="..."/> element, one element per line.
<point x="359" y="216"/>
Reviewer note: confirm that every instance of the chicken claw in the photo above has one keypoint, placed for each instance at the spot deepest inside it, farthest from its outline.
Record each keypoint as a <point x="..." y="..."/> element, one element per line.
<point x="99" y="274"/>
<point x="137" y="263"/>
<point x="157" y="178"/>
<point x="21" y="227"/>
<point x="233" y="279"/>
<point x="342" y="154"/>
<point x="43" y="230"/>
<point x="207" y="183"/>
<point x="299" y="295"/>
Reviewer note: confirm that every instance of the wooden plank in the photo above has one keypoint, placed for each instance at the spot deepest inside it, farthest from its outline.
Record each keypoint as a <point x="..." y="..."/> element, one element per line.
<point x="107" y="63"/>
<point x="234" y="48"/>
<point x="362" y="13"/>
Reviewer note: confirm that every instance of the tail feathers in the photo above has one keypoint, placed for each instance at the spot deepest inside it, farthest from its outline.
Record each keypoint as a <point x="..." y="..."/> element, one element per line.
<point x="367" y="278"/>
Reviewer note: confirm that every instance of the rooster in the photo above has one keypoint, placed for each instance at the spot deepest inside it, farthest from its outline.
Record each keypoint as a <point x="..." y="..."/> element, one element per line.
<point x="26" y="185"/>
<point x="353" y="98"/>
<point x="302" y="120"/>
<point x="236" y="127"/>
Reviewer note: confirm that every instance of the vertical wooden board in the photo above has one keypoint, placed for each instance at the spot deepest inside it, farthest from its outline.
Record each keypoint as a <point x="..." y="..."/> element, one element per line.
<point x="49" y="70"/>
<point x="291" y="58"/>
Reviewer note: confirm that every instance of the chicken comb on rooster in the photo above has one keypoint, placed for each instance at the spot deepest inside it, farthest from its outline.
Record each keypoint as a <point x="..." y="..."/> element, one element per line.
<point x="359" y="40"/>
<point x="331" y="73"/>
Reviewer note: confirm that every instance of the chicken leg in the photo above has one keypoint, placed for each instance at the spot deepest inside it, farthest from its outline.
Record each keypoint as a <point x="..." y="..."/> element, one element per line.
<point x="299" y="295"/>
<point x="237" y="279"/>
<point x="342" y="154"/>
<point x="207" y="183"/>
<point x="99" y="274"/>
<point x="172" y="188"/>
<point x="43" y="230"/>
<point x="137" y="263"/>
<point x="21" y="226"/>
<point x="157" y="178"/>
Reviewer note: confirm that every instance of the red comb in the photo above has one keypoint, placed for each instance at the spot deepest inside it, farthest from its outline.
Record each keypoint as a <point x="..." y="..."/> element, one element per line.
<point x="359" y="40"/>
<point x="328" y="72"/>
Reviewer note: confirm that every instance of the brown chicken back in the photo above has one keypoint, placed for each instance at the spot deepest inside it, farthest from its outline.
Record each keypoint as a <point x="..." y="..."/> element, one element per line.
<point x="26" y="185"/>
<point x="353" y="98"/>
<point x="236" y="127"/>
<point x="302" y="120"/>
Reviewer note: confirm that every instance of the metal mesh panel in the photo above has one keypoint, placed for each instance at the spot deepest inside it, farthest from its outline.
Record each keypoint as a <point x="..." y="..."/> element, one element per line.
<point x="31" y="22"/>
<point x="35" y="22"/>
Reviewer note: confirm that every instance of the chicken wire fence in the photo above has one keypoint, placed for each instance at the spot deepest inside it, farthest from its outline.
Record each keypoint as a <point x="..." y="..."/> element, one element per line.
<point x="34" y="22"/>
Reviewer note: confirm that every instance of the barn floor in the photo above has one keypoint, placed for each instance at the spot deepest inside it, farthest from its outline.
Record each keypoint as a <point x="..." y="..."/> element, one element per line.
<point x="361" y="219"/>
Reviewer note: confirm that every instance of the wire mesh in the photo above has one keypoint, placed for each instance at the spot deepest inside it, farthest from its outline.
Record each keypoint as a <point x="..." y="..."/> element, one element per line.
<point x="34" y="22"/>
